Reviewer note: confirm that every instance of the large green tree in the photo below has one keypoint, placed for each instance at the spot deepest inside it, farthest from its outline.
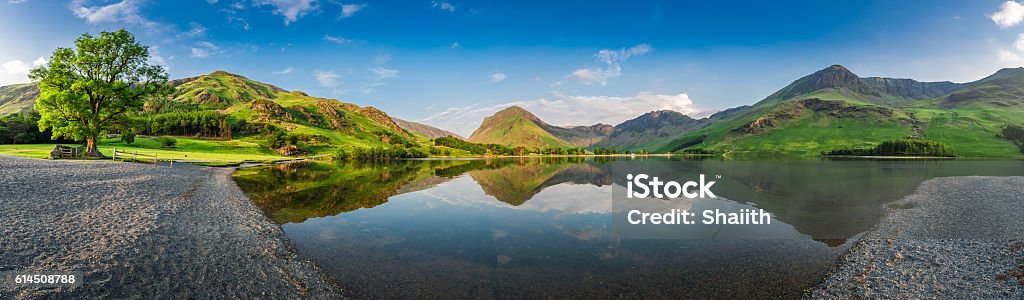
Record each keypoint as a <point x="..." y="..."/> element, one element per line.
<point x="88" y="89"/>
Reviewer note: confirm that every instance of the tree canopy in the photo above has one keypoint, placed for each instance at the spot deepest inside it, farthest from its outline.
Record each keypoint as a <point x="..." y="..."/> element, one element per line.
<point x="86" y="90"/>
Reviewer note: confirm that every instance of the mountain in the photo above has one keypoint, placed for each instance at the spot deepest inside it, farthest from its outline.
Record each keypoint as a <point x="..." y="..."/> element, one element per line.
<point x="321" y="121"/>
<point x="651" y="130"/>
<point x="834" y="108"/>
<point x="17" y="98"/>
<point x="581" y="136"/>
<point x="427" y="130"/>
<point x="515" y="126"/>
<point x="1005" y="88"/>
<point x="317" y="122"/>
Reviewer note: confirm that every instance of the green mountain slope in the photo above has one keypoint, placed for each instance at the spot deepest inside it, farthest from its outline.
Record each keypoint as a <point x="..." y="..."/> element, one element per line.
<point x="323" y="122"/>
<point x="17" y="98"/>
<point x="651" y="130"/>
<point x="319" y="123"/>
<point x="427" y="130"/>
<point x="834" y="108"/>
<point x="515" y="126"/>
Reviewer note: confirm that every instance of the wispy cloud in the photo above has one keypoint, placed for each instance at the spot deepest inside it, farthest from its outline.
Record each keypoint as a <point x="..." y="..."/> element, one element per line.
<point x="337" y="39"/>
<point x="327" y="79"/>
<point x="565" y="110"/>
<point x="455" y="45"/>
<point x="613" y="60"/>
<point x="291" y="10"/>
<point x="442" y="5"/>
<point x="287" y="70"/>
<point x="204" y="49"/>
<point x="197" y="30"/>
<point x="382" y="73"/>
<point x="1010" y="13"/>
<point x="126" y="11"/>
<point x="347" y="10"/>
<point x="377" y="78"/>
<point x="498" y="77"/>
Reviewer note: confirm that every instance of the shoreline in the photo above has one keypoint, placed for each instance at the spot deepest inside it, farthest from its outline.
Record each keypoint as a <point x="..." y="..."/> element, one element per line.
<point x="954" y="237"/>
<point x="139" y="230"/>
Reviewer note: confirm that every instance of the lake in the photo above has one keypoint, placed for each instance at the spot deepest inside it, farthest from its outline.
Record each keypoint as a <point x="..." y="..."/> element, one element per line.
<point x="544" y="227"/>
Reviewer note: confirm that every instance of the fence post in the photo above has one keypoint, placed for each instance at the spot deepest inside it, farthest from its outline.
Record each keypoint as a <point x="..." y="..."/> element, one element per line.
<point x="154" y="158"/>
<point x="114" y="157"/>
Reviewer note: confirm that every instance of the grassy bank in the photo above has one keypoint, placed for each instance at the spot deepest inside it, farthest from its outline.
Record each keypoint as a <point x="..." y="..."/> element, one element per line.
<point x="187" y="149"/>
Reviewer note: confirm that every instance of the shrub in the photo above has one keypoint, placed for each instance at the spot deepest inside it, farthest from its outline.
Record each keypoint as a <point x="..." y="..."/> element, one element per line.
<point x="167" y="142"/>
<point x="128" y="137"/>
<point x="339" y="154"/>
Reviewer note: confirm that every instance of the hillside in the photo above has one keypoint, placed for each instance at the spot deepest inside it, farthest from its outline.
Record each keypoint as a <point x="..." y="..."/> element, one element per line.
<point x="17" y="98"/>
<point x="249" y="107"/>
<point x="427" y="130"/>
<point x="834" y="108"/>
<point x="515" y="126"/>
<point x="651" y="130"/>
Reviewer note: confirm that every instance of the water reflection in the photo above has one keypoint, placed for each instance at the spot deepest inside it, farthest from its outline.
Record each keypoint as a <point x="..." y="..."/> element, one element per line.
<point x="543" y="228"/>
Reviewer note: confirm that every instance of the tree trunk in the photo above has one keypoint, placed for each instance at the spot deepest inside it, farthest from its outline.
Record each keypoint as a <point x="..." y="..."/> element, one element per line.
<point x="90" y="148"/>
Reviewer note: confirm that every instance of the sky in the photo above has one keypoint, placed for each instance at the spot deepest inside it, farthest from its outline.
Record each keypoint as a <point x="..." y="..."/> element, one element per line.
<point x="450" y="63"/>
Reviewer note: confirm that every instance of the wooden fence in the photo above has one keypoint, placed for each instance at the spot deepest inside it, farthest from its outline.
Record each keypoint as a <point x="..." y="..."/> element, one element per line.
<point x="61" y="151"/>
<point x="135" y="155"/>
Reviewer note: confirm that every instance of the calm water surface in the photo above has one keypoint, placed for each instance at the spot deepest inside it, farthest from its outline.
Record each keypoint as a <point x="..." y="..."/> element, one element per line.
<point x="542" y="228"/>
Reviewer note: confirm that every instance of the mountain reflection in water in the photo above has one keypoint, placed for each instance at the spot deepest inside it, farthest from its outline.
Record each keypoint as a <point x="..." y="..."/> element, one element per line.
<point x="542" y="227"/>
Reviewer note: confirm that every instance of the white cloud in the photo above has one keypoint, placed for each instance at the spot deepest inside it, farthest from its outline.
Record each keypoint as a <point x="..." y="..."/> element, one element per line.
<point x="382" y="73"/>
<point x="291" y="10"/>
<point x="156" y="58"/>
<point x="16" y="67"/>
<point x="16" y="1"/>
<point x="455" y="45"/>
<point x="204" y="49"/>
<point x="443" y="6"/>
<point x="498" y="77"/>
<point x="347" y="10"/>
<point x="327" y="79"/>
<point x="613" y="60"/>
<point x="371" y="87"/>
<point x="377" y="79"/>
<point x="1009" y="14"/>
<point x="1019" y="43"/>
<point x="287" y="70"/>
<point x="126" y="11"/>
<point x="337" y="39"/>
<point x="1008" y="56"/>
<point x="565" y="110"/>
<point x="16" y="71"/>
<point x="197" y="30"/>
<point x="39" y="61"/>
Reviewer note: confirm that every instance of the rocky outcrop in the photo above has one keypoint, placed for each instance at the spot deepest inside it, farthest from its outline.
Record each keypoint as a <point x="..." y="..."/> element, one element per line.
<point x="269" y="110"/>
<point x="909" y="88"/>
<point x="796" y="109"/>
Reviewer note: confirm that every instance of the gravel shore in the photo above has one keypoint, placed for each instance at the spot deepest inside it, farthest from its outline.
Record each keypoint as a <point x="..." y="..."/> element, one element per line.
<point x="144" y="232"/>
<point x="954" y="238"/>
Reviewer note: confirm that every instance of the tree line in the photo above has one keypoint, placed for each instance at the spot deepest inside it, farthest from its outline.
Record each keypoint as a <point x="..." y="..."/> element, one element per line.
<point x="898" y="148"/>
<point x="23" y="128"/>
<point x="1014" y="133"/>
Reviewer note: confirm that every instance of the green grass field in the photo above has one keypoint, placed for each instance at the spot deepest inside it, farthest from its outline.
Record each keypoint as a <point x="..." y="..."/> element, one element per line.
<point x="214" y="152"/>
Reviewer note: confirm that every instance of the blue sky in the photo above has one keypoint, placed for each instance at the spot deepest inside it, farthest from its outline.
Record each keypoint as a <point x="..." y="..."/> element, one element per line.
<point x="450" y="63"/>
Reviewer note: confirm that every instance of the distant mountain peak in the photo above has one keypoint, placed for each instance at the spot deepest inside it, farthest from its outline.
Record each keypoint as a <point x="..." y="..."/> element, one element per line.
<point x="833" y="77"/>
